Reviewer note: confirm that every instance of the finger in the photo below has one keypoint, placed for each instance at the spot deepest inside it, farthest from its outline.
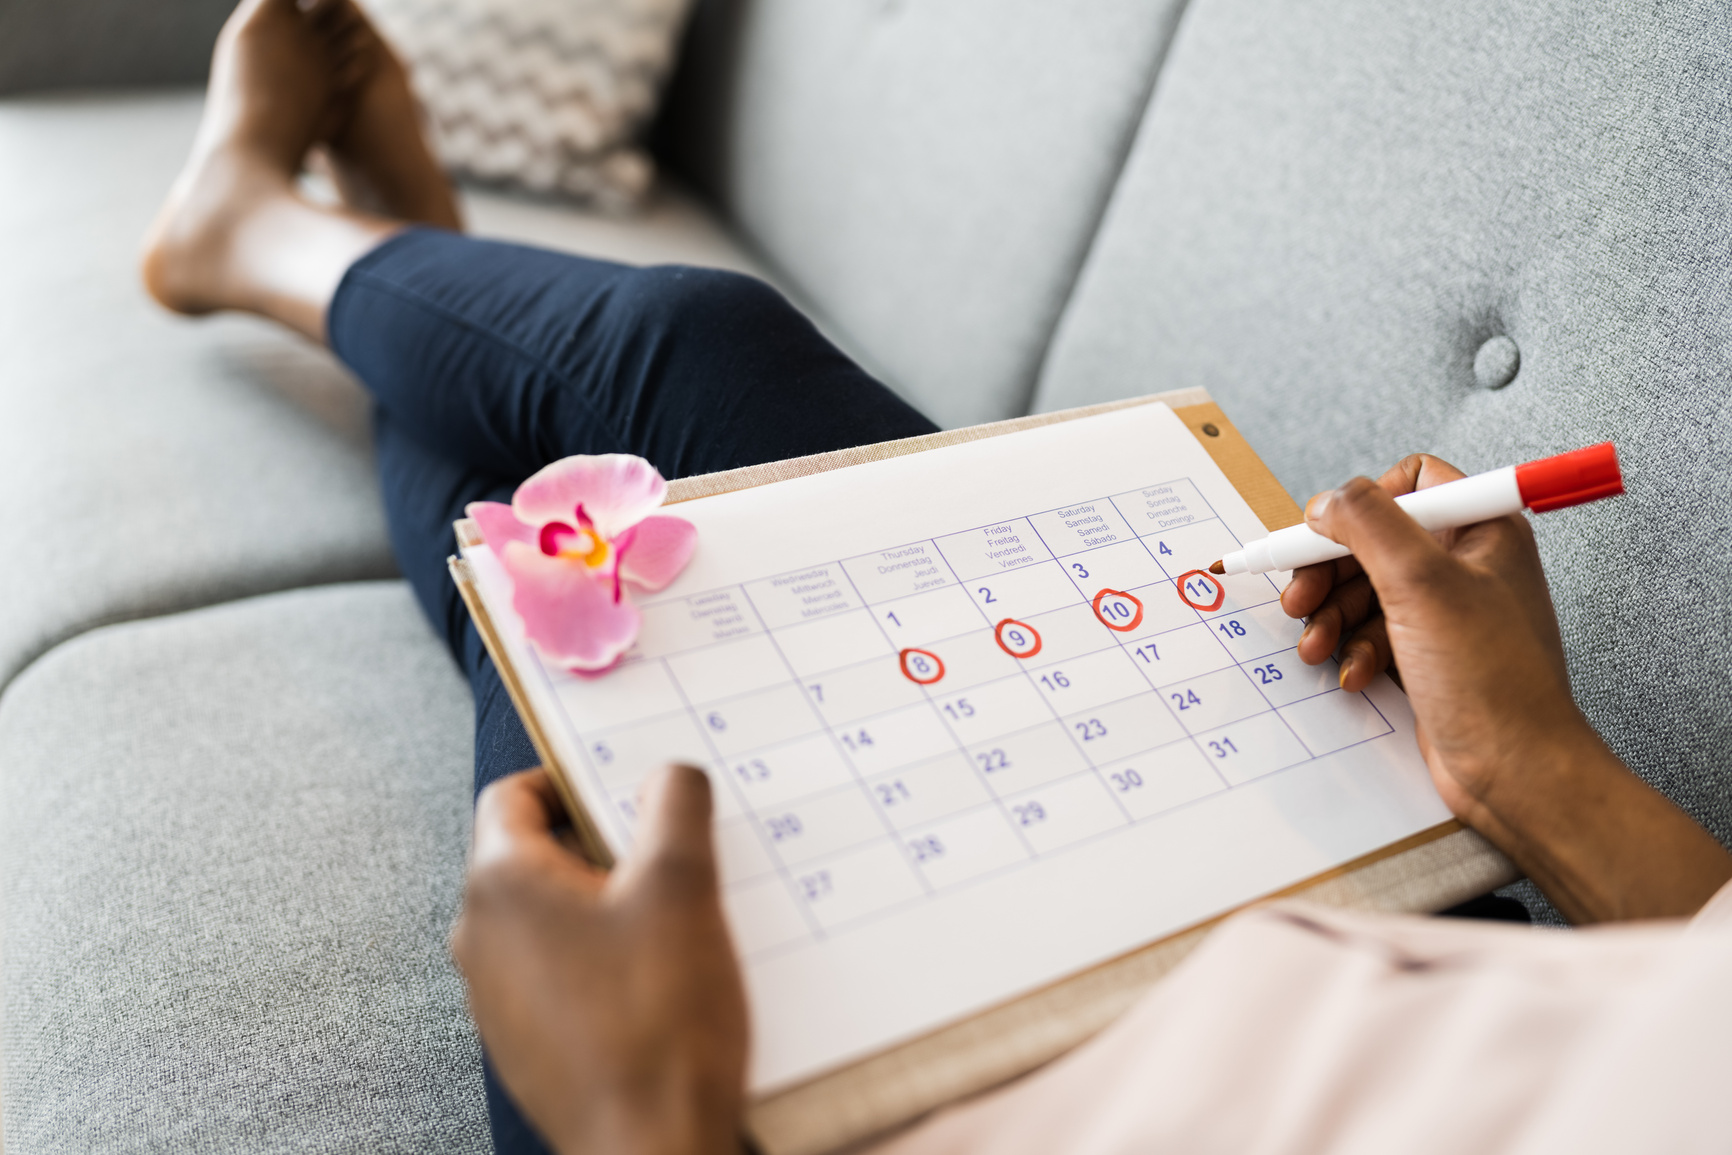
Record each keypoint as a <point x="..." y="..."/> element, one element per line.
<point x="319" y="13"/>
<point x="1311" y="585"/>
<point x="1366" y="654"/>
<point x="1421" y="471"/>
<point x="1393" y="549"/>
<point x="329" y="15"/>
<point x="519" y="811"/>
<point x="517" y="861"/>
<point x="349" y="75"/>
<point x="1418" y="471"/>
<point x="349" y="34"/>
<point x="352" y="55"/>
<point x="1347" y="606"/>
<point x="673" y="845"/>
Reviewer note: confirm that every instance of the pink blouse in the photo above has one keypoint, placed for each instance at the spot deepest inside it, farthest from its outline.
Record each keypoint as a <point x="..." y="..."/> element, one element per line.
<point x="1298" y="1028"/>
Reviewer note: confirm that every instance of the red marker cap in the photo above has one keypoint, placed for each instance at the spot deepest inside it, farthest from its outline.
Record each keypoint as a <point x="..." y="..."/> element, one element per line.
<point x="1570" y="478"/>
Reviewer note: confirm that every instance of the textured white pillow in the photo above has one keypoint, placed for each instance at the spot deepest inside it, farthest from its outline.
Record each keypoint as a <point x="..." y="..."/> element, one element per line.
<point x="547" y="95"/>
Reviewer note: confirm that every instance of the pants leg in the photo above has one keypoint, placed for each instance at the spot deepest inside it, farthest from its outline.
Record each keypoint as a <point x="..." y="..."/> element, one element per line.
<point x="506" y="358"/>
<point x="488" y="361"/>
<point x="424" y="494"/>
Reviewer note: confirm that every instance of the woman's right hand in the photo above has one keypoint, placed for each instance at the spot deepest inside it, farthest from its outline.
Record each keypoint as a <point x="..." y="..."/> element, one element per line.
<point x="1465" y="618"/>
<point x="1469" y="615"/>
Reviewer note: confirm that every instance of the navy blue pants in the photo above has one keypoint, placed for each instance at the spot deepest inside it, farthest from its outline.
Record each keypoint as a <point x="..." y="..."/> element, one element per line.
<point x="487" y="361"/>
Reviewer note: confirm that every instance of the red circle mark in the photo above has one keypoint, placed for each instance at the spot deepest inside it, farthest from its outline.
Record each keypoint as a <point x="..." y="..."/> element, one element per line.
<point x="1220" y="590"/>
<point x="1134" y="622"/>
<point x="911" y="675"/>
<point x="998" y="636"/>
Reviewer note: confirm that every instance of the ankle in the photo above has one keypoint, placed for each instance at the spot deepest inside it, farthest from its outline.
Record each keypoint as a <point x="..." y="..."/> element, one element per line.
<point x="190" y="262"/>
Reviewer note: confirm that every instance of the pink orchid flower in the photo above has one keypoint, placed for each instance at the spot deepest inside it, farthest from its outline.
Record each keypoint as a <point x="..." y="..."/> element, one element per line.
<point x="572" y="537"/>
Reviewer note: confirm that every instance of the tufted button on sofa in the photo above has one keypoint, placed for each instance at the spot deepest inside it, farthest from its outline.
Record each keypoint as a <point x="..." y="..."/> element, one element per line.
<point x="1497" y="362"/>
<point x="234" y="764"/>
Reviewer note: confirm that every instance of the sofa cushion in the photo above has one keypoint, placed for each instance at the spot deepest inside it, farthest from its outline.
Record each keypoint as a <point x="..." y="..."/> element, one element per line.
<point x="1331" y="209"/>
<point x="928" y="174"/>
<point x="150" y="463"/>
<point x="231" y="843"/>
<point x="153" y="463"/>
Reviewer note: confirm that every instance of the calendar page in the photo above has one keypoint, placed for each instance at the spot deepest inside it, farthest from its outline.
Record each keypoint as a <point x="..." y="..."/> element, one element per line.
<point x="976" y="719"/>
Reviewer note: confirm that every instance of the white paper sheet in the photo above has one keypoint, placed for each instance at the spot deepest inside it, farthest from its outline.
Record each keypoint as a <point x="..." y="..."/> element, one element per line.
<point x="948" y="769"/>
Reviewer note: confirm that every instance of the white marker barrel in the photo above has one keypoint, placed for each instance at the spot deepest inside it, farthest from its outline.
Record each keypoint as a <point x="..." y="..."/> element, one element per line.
<point x="1454" y="503"/>
<point x="1573" y="478"/>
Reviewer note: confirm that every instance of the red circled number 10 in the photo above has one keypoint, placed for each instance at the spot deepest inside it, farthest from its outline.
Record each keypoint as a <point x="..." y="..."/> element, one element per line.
<point x="1118" y="611"/>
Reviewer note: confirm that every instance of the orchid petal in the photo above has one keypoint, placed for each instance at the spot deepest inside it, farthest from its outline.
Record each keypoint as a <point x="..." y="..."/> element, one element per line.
<point x="616" y="490"/>
<point x="553" y="536"/>
<point x="596" y="673"/>
<point x="659" y="549"/>
<point x="499" y="526"/>
<point x="568" y="612"/>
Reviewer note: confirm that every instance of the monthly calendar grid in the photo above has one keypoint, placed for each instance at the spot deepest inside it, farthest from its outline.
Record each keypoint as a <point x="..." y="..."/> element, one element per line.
<point x="912" y="840"/>
<point x="1202" y="497"/>
<point x="1056" y="555"/>
<point x="926" y="692"/>
<point x="1057" y="717"/>
<point x="842" y="752"/>
<point x="1142" y="539"/>
<point x="593" y="772"/>
<point x="745" y="805"/>
<point x="689" y="708"/>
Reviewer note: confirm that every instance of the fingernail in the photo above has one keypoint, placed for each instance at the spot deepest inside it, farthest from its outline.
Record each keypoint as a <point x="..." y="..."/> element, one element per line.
<point x="1345" y="666"/>
<point x="1315" y="507"/>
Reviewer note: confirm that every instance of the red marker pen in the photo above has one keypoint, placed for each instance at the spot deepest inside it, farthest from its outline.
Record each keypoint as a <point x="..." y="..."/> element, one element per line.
<point x="1549" y="483"/>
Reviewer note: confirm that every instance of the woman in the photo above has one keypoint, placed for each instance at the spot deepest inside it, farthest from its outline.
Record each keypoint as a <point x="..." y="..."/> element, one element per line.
<point x="612" y="1006"/>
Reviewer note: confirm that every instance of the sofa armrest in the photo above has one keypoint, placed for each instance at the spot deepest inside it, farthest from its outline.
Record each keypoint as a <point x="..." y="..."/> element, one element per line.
<point x="106" y="43"/>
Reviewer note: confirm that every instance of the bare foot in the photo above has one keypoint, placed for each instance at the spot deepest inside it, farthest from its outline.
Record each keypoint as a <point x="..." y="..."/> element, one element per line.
<point x="234" y="232"/>
<point x="270" y="97"/>
<point x="378" y="157"/>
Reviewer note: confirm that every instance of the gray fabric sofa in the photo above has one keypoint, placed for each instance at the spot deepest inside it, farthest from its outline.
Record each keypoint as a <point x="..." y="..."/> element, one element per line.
<point x="233" y="763"/>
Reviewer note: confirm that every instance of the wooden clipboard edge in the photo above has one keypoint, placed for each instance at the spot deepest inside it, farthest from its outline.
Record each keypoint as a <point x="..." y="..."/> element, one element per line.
<point x="1256" y="483"/>
<point x="1429" y="871"/>
<point x="589" y="838"/>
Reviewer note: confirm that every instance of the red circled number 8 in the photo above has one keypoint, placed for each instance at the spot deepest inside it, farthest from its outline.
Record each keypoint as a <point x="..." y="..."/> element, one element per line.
<point x="921" y="666"/>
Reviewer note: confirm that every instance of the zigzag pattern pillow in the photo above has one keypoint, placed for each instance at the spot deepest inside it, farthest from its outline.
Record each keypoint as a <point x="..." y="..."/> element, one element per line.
<point x="544" y="95"/>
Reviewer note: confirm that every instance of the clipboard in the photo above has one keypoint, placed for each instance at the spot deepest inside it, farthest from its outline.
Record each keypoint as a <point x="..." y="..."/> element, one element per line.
<point x="1430" y="871"/>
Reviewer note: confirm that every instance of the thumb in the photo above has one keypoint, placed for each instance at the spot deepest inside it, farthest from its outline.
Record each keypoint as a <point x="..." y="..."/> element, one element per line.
<point x="673" y="847"/>
<point x="1393" y="549"/>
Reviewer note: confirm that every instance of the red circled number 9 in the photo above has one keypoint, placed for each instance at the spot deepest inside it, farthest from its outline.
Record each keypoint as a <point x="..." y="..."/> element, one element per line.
<point x="1018" y="639"/>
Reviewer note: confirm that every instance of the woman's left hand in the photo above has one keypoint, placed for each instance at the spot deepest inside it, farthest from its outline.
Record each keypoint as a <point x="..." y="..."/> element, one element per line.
<point x="610" y="1004"/>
